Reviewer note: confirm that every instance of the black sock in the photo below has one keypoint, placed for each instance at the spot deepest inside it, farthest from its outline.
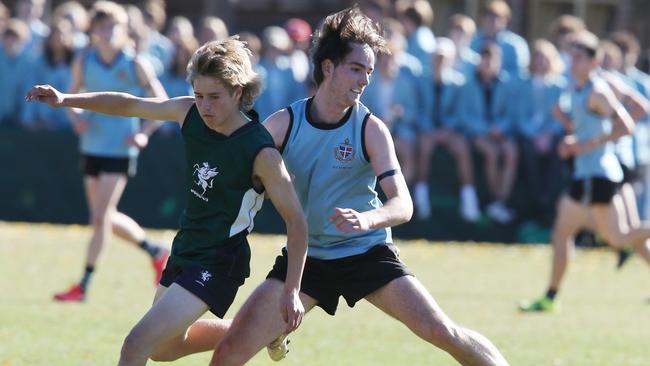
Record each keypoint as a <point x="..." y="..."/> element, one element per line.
<point x="151" y="249"/>
<point x="550" y="294"/>
<point x="88" y="272"/>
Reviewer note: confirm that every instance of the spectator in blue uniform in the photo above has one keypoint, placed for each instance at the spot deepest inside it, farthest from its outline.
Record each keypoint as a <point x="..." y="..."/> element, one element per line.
<point x="493" y="29"/>
<point x="539" y="132"/>
<point x="487" y="113"/>
<point x="442" y="127"/>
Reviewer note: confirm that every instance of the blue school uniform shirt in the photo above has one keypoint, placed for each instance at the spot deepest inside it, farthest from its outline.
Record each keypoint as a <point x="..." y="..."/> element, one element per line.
<point x="515" y="53"/>
<point x="15" y="72"/>
<point x="535" y="100"/>
<point x="442" y="101"/>
<point x="279" y="87"/>
<point x="486" y="106"/>
<point x="60" y="77"/>
<point x="106" y="135"/>
<point x="331" y="169"/>
<point x="404" y="89"/>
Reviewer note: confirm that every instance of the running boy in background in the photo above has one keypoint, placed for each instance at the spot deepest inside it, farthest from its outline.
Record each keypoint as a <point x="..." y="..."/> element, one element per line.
<point x="109" y="145"/>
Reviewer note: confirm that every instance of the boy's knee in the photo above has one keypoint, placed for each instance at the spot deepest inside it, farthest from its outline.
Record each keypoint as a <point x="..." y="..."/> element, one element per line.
<point x="442" y="334"/>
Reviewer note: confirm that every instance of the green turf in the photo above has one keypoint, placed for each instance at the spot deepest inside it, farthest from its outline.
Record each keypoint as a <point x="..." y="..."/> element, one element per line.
<point x="604" y="320"/>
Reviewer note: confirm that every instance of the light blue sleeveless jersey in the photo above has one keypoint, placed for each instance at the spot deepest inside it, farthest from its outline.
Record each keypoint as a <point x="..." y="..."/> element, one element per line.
<point x="602" y="161"/>
<point x="106" y="135"/>
<point x="331" y="169"/>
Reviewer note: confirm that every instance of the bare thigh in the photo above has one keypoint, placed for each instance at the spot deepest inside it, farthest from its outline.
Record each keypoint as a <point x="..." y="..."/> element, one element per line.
<point x="408" y="301"/>
<point x="173" y="311"/>
<point x="259" y="321"/>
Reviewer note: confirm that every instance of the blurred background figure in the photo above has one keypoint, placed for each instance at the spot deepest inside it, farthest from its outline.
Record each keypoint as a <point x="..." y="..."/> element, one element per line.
<point x="493" y="29"/>
<point x="395" y="95"/>
<point x="640" y="81"/>
<point x="279" y="86"/>
<point x="461" y="31"/>
<point x="180" y="28"/>
<point x="376" y="10"/>
<point x="212" y="28"/>
<point x="16" y="62"/>
<point x="77" y="15"/>
<point x="539" y="132"/>
<point x="442" y="127"/>
<point x="53" y="67"/>
<point x="416" y="17"/>
<point x="31" y="12"/>
<point x="487" y="112"/>
<point x="154" y="43"/>
<point x="299" y="32"/>
<point x="560" y="32"/>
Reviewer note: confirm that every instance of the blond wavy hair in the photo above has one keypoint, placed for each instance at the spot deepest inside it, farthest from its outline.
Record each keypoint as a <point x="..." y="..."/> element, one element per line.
<point x="229" y="61"/>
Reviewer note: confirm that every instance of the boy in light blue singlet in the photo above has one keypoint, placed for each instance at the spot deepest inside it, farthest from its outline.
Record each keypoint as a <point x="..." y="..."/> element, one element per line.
<point x="337" y="152"/>
<point x="592" y="110"/>
<point x="109" y="145"/>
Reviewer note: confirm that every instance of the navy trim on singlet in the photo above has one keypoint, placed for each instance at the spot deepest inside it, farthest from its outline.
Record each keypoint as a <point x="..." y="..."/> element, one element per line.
<point x="325" y="126"/>
<point x="286" y="136"/>
<point x="363" y="137"/>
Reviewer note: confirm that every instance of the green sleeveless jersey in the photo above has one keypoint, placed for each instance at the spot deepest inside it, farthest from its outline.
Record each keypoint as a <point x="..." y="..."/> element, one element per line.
<point x="221" y="202"/>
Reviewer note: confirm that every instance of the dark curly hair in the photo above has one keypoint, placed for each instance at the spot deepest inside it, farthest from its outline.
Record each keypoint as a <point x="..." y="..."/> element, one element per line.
<point x="332" y="40"/>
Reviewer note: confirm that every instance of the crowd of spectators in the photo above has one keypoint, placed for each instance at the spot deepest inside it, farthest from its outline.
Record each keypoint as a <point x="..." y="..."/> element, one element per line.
<point x="479" y="91"/>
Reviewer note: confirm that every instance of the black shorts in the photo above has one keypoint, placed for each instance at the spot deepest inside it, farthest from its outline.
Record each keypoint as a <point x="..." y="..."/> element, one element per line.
<point x="94" y="165"/>
<point x="593" y="190"/>
<point x="352" y="277"/>
<point x="630" y="175"/>
<point x="216" y="290"/>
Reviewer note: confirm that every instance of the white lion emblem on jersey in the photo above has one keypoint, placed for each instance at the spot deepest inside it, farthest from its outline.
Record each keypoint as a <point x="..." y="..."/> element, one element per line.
<point x="204" y="174"/>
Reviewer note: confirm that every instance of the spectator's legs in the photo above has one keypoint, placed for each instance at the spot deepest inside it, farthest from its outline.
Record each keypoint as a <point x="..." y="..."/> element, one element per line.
<point x="459" y="149"/>
<point x="426" y="145"/>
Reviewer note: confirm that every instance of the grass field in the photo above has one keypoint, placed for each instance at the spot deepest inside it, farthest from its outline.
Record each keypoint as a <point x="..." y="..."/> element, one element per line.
<point x="605" y="319"/>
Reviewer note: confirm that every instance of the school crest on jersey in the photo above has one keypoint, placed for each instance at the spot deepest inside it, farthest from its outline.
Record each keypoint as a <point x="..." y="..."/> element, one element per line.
<point x="344" y="152"/>
<point x="205" y="177"/>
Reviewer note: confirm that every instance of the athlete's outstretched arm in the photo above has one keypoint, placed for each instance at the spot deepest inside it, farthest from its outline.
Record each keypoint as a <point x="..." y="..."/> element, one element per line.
<point x="398" y="207"/>
<point x="271" y="171"/>
<point x="115" y="103"/>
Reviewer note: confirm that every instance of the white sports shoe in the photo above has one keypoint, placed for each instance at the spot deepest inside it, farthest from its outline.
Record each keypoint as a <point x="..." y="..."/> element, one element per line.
<point x="469" y="210"/>
<point x="499" y="212"/>
<point x="422" y="202"/>
<point x="279" y="348"/>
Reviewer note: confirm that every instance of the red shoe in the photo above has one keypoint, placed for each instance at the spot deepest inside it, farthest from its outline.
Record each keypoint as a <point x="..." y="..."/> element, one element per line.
<point x="159" y="264"/>
<point x="75" y="293"/>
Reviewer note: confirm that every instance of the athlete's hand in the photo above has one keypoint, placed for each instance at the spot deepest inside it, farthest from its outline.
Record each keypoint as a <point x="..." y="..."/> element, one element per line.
<point x="45" y="94"/>
<point x="139" y="140"/>
<point x="79" y="126"/>
<point x="348" y="220"/>
<point x="567" y="147"/>
<point x="292" y="310"/>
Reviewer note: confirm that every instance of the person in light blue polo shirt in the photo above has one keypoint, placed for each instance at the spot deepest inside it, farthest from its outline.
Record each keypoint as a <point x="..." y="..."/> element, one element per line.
<point x="442" y="127"/>
<point x="538" y="131"/>
<point x="396" y="95"/>
<point x="514" y="48"/>
<point x="487" y="115"/>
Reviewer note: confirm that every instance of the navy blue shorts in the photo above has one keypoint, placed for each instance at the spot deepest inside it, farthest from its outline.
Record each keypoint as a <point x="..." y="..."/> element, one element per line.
<point x="353" y="277"/>
<point x="216" y="290"/>
<point x="94" y="165"/>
